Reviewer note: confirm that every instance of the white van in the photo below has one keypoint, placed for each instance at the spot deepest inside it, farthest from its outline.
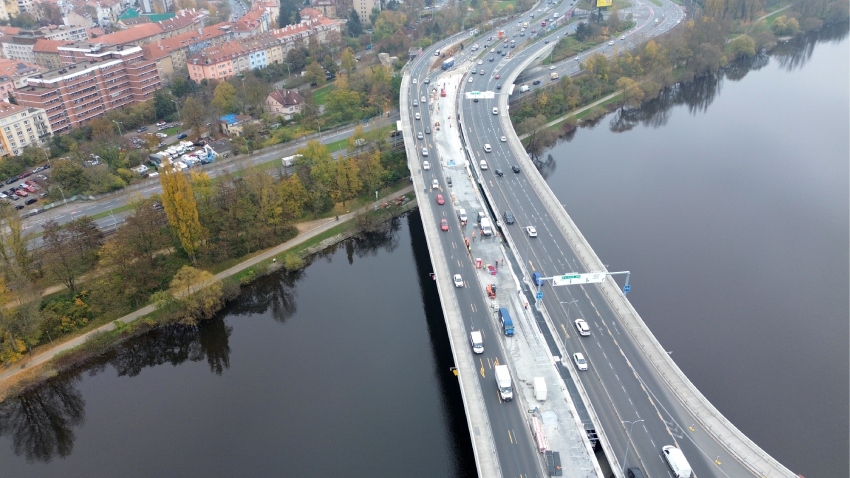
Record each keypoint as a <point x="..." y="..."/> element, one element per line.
<point x="524" y="88"/>
<point x="477" y="341"/>
<point x="676" y="461"/>
<point x="487" y="148"/>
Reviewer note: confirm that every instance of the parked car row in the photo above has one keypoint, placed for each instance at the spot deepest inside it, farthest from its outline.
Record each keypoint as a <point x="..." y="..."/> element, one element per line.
<point x="27" y="174"/>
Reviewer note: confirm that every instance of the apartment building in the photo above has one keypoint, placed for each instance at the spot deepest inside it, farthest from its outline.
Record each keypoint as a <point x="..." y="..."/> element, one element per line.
<point x="19" y="46"/>
<point x="364" y="9"/>
<point x="109" y="77"/>
<point x="46" y="53"/>
<point x="22" y="126"/>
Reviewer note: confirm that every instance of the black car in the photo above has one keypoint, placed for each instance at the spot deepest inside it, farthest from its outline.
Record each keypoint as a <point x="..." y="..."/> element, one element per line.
<point x="31" y="201"/>
<point x="492" y="58"/>
<point x="475" y="100"/>
<point x="509" y="218"/>
<point x="515" y="168"/>
<point x="498" y="87"/>
<point x="12" y="180"/>
<point x="499" y="172"/>
<point x="535" y="82"/>
<point x="19" y="207"/>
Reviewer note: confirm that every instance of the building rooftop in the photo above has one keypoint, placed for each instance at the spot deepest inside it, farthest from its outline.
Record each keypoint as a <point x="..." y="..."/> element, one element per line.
<point x="48" y="46"/>
<point x="136" y="33"/>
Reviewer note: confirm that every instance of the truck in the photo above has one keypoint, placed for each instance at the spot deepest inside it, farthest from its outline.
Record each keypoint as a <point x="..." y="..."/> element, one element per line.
<point x="507" y="323"/>
<point x="676" y="461"/>
<point x="486" y="226"/>
<point x="288" y="161"/>
<point x="554" y="76"/>
<point x="540" y="389"/>
<point x="524" y="88"/>
<point x="501" y="34"/>
<point x="476" y="339"/>
<point x="503" y="382"/>
<point x="448" y="63"/>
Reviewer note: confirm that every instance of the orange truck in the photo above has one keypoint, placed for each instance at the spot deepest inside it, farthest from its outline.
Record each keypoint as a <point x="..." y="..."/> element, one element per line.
<point x="501" y="34"/>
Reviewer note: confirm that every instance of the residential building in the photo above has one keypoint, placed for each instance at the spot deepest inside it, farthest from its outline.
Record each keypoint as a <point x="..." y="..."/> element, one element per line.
<point x="137" y="35"/>
<point x="232" y="124"/>
<point x="108" y="78"/>
<point x="327" y="7"/>
<point x="256" y="21"/>
<point x="18" y="71"/>
<point x="155" y="6"/>
<point x="286" y="103"/>
<point x="8" y="9"/>
<point x="364" y="9"/>
<point x="80" y="18"/>
<point x="180" y="47"/>
<point x="184" y="21"/>
<point x="22" y="126"/>
<point x="46" y="53"/>
<point x="19" y="46"/>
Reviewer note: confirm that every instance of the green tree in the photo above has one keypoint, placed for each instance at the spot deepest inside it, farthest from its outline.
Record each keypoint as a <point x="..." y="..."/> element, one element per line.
<point x="347" y="61"/>
<point x="315" y="74"/>
<point x="193" y="113"/>
<point x="224" y="98"/>
<point x="70" y="176"/>
<point x="742" y="46"/>
<point x="296" y="59"/>
<point x="355" y="26"/>
<point x="632" y="94"/>
<point x="162" y="104"/>
<point x="181" y="209"/>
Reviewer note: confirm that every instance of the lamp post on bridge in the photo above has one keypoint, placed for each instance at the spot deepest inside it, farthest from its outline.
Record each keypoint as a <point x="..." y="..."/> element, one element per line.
<point x="568" y="306"/>
<point x="628" y="441"/>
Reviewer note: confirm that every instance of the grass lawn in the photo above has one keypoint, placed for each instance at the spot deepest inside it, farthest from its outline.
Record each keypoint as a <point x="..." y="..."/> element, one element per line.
<point x="337" y="145"/>
<point x="169" y="131"/>
<point x="320" y="95"/>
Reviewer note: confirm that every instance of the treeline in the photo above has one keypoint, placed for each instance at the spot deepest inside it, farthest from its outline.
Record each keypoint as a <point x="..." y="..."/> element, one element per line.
<point x="161" y="250"/>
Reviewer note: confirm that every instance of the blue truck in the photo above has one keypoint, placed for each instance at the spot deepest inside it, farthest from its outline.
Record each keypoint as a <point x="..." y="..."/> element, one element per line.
<point x="507" y="323"/>
<point x="448" y="63"/>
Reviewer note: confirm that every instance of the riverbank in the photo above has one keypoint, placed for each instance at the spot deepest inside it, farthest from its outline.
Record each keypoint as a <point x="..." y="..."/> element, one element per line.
<point x="313" y="236"/>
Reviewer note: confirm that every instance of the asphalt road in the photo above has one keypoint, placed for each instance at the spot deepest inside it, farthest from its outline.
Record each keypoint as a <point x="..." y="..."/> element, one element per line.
<point x="624" y="391"/>
<point x="514" y="443"/>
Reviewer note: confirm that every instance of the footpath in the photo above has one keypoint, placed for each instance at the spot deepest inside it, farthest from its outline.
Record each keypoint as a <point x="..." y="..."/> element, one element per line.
<point x="318" y="227"/>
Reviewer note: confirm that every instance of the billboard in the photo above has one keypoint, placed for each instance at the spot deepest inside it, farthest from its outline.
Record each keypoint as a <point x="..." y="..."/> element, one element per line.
<point x="604" y="3"/>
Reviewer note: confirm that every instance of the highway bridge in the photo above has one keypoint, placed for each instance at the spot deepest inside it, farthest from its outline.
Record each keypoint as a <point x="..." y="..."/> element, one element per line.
<point x="632" y="396"/>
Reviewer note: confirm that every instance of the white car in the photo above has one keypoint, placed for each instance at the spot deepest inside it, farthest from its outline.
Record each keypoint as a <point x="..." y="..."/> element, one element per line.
<point x="417" y="116"/>
<point x="552" y="67"/>
<point x="419" y="135"/>
<point x="581" y="363"/>
<point x="483" y="165"/>
<point x="495" y="111"/>
<point x="435" y="184"/>
<point x="480" y="62"/>
<point x="424" y="151"/>
<point x="610" y="43"/>
<point x="458" y="281"/>
<point x="470" y="79"/>
<point x="623" y="37"/>
<point x="426" y="165"/>
<point x="531" y="230"/>
<point x="582" y="327"/>
<point x="424" y="100"/>
<point x="503" y="139"/>
<point x="161" y="135"/>
<point x="487" y="148"/>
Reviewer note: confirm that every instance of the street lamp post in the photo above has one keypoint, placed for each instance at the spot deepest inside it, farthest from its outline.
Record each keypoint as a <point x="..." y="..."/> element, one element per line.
<point x="568" y="306"/>
<point x="64" y="201"/>
<point x="628" y="440"/>
<point x="118" y="124"/>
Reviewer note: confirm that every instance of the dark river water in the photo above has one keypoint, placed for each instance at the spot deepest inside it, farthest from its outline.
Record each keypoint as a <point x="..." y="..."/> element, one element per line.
<point x="728" y="201"/>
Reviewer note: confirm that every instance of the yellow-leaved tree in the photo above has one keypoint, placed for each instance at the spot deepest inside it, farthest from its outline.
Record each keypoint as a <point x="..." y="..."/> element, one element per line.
<point x="181" y="209"/>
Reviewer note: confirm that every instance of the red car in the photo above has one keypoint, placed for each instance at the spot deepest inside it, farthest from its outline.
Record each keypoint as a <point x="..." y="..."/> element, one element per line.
<point x="498" y="76"/>
<point x="444" y="224"/>
<point x="21" y="193"/>
<point x="440" y="199"/>
<point x="30" y="189"/>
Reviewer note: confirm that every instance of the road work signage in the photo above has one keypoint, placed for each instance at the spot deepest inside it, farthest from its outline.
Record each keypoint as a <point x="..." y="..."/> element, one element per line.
<point x="573" y="279"/>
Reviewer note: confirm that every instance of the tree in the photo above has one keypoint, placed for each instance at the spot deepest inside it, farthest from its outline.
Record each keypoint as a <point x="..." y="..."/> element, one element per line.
<point x="162" y="104"/>
<point x="51" y="13"/>
<point x="71" y="250"/>
<point x="69" y="175"/>
<point x="535" y="129"/>
<point x="193" y="113"/>
<point x="372" y="172"/>
<point x="14" y="242"/>
<point x="196" y="294"/>
<point x="355" y="27"/>
<point x="296" y="59"/>
<point x="742" y="46"/>
<point x="315" y="74"/>
<point x="102" y="130"/>
<point x="632" y="94"/>
<point x="347" y="61"/>
<point x="256" y="91"/>
<point x="224" y="98"/>
<point x="181" y="209"/>
<point x="289" y="13"/>
<point x="348" y="182"/>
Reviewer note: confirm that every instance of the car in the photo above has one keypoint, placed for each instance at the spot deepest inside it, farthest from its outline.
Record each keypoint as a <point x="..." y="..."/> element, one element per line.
<point x="474" y="71"/>
<point x="142" y="129"/>
<point x="504" y="53"/>
<point x="415" y="103"/>
<point x="427" y="81"/>
<point x="522" y="34"/>
<point x="458" y="280"/>
<point x="497" y="76"/>
<point x="427" y="130"/>
<point x="417" y="116"/>
<point x="160" y="123"/>
<point x="419" y="135"/>
<point x="634" y="473"/>
<point x="531" y="230"/>
<point x="509" y="218"/>
<point x="536" y="82"/>
<point x="551" y="67"/>
<point x="515" y="168"/>
<point x="498" y="87"/>
<point x="182" y="136"/>
<point x="611" y="43"/>
<point x="582" y="327"/>
<point x="435" y="184"/>
<point x="498" y="172"/>
<point x="580" y="361"/>
<point x="487" y="148"/>
<point x="503" y="139"/>
<point x="161" y="135"/>
<point x="492" y="58"/>
<point x="475" y="100"/>
<point x="444" y="224"/>
<point x="21" y="193"/>
<point x="25" y="174"/>
<point x="578" y="58"/>
<point x="481" y="72"/>
<point x="30" y="201"/>
<point x="426" y="165"/>
<point x="469" y="80"/>
<point x="424" y="151"/>
<point x="546" y="42"/>
<point x="623" y="37"/>
<point x="495" y="111"/>
<point x="414" y="81"/>
<point x="480" y="62"/>
<point x="483" y="165"/>
<point x="12" y="179"/>
<point x="424" y="100"/>
<point x="29" y="189"/>
<point x="440" y="199"/>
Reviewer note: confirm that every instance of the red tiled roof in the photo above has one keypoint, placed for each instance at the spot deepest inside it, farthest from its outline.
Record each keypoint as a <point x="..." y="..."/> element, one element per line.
<point x="133" y="34"/>
<point x="185" y="39"/>
<point x="48" y="46"/>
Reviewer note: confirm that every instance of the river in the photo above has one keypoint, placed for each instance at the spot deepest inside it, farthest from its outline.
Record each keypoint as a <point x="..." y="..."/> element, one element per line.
<point x="728" y="201"/>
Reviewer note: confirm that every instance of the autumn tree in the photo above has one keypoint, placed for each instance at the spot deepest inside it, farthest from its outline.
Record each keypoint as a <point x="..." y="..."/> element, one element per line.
<point x="347" y="61"/>
<point x="193" y="113"/>
<point x="315" y="74"/>
<point x="181" y="209"/>
<point x="224" y="98"/>
<point x="70" y="250"/>
<point x="632" y="94"/>
<point x="193" y="295"/>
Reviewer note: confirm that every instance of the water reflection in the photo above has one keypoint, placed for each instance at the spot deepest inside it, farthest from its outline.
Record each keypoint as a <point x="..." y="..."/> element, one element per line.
<point x="796" y="53"/>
